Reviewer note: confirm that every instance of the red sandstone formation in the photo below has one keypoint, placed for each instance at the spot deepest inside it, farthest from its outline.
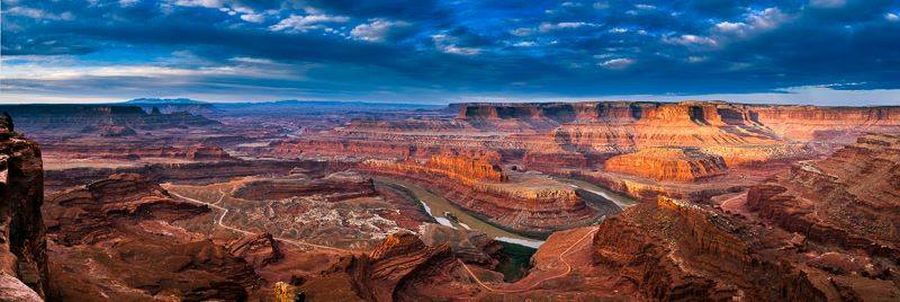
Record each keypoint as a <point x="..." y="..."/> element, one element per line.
<point x="851" y="199"/>
<point x="405" y="210"/>
<point x="23" y="260"/>
<point x="132" y="150"/>
<point x="343" y="209"/>
<point x="332" y="189"/>
<point x="822" y="230"/>
<point x="469" y="246"/>
<point x="554" y="137"/>
<point x="534" y="205"/>
<point x="475" y="169"/>
<point x="258" y="250"/>
<point x="112" y="131"/>
<point x="673" y="250"/>
<point x="125" y="231"/>
<point x="402" y="268"/>
<point x="668" y="164"/>
<point x="102" y="204"/>
<point x="200" y="172"/>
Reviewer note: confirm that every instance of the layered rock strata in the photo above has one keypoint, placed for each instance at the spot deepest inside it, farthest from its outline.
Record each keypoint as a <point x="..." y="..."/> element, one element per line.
<point x="851" y="199"/>
<point x="127" y="231"/>
<point x="202" y="172"/>
<point x="78" y="118"/>
<point x="668" y="164"/>
<point x="401" y="268"/>
<point x="23" y="259"/>
<point x="532" y="205"/>
<point x="673" y="250"/>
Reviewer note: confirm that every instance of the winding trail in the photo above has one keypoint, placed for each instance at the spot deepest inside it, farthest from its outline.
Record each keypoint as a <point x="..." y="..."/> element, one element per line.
<point x="561" y="258"/>
<point x="739" y="208"/>
<point x="245" y="232"/>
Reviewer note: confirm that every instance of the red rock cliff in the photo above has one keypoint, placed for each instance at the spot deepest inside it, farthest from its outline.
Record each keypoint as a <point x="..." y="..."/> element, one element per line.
<point x="668" y="164"/>
<point x="478" y="169"/>
<point x="23" y="260"/>
<point x="851" y="199"/>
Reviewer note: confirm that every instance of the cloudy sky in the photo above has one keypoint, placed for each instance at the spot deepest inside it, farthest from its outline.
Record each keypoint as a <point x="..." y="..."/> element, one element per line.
<point x="829" y="52"/>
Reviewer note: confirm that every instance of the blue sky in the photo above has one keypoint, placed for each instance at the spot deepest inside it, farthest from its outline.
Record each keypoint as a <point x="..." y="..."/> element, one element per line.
<point x="832" y="52"/>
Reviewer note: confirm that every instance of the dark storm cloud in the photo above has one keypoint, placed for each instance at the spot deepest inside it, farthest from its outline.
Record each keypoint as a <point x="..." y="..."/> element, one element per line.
<point x="566" y="48"/>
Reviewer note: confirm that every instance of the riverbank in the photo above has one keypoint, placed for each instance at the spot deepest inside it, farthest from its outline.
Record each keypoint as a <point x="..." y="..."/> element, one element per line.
<point x="438" y="208"/>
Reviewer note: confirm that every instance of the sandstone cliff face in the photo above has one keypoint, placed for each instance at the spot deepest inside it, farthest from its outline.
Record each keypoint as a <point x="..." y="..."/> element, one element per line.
<point x="851" y="199"/>
<point x="475" y="169"/>
<point x="827" y="123"/>
<point x="469" y="246"/>
<point x="88" y="215"/>
<point x="824" y="230"/>
<point x="125" y="230"/>
<point x="138" y="150"/>
<point x="258" y="250"/>
<point x="668" y="164"/>
<point x="329" y="189"/>
<point x="202" y="172"/>
<point x="23" y="259"/>
<point x="673" y="250"/>
<point x="552" y="136"/>
<point x="529" y="205"/>
<point x="401" y="268"/>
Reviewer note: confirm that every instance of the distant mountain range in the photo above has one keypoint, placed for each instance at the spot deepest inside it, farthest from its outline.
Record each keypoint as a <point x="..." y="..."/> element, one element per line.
<point x="156" y="101"/>
<point x="187" y="101"/>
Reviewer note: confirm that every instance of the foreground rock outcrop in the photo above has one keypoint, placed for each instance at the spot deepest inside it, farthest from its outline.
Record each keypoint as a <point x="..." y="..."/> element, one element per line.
<point x="23" y="260"/>
<point x="834" y="236"/>
<point x="401" y="268"/>
<point x="128" y="231"/>
<point x="851" y="199"/>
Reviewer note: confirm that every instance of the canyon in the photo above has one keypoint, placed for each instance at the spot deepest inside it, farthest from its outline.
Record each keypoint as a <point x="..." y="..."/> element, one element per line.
<point x="289" y="201"/>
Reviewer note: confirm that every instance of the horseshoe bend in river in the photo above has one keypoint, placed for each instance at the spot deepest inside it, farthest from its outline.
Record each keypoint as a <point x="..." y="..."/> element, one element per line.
<point x="437" y="205"/>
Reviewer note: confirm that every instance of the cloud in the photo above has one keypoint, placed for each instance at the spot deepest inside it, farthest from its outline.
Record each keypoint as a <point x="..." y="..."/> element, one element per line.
<point x="891" y="17"/>
<point x="296" y="23"/>
<point x="525" y="44"/>
<point x="253" y="18"/>
<point x="448" y="44"/>
<point x="827" y="3"/>
<point x="47" y="73"/>
<point x="440" y="48"/>
<point x="522" y="31"/>
<point x="601" y="5"/>
<point x="377" y="30"/>
<point x="620" y="63"/>
<point x="691" y="40"/>
<point x="768" y="18"/>
<point x="128" y="3"/>
<point x="200" y="3"/>
<point x="39" y="14"/>
<point x="545" y="27"/>
<point x="755" y="21"/>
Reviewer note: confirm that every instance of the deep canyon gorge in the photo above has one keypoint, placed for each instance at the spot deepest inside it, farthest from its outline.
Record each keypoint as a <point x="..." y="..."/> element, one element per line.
<point x="584" y="201"/>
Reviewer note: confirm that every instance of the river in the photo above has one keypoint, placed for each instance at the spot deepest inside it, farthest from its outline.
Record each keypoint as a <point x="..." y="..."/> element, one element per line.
<point x="437" y="206"/>
<point x="619" y="199"/>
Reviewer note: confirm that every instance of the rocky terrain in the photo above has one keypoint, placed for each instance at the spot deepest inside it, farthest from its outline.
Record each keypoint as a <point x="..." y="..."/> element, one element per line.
<point x="668" y="164"/>
<point x="851" y="199"/>
<point x="478" y="201"/>
<point x="23" y="259"/>
<point x="527" y="204"/>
